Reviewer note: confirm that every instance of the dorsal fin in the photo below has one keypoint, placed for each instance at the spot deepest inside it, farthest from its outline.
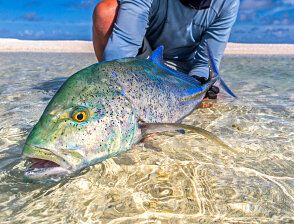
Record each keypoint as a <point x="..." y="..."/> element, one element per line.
<point x="157" y="55"/>
<point x="157" y="58"/>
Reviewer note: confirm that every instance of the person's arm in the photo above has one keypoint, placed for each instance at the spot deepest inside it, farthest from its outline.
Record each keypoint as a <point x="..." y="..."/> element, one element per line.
<point x="129" y="29"/>
<point x="104" y="16"/>
<point x="216" y="36"/>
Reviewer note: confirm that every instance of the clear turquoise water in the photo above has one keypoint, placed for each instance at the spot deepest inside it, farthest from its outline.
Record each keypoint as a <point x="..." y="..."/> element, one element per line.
<point x="188" y="180"/>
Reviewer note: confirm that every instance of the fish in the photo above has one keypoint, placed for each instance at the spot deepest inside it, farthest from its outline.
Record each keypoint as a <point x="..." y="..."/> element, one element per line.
<point x="104" y="109"/>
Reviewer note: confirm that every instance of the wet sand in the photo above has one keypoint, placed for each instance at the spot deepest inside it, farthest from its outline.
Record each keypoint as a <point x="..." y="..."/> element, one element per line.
<point x="77" y="46"/>
<point x="182" y="178"/>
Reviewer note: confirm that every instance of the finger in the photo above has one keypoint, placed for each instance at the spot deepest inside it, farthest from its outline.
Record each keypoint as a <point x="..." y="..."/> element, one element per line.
<point x="211" y="95"/>
<point x="215" y="89"/>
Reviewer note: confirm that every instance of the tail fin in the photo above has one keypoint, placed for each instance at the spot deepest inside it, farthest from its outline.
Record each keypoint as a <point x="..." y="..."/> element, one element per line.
<point x="216" y="73"/>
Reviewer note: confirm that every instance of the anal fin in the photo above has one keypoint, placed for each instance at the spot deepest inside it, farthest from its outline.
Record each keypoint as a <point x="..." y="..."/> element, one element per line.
<point x="151" y="128"/>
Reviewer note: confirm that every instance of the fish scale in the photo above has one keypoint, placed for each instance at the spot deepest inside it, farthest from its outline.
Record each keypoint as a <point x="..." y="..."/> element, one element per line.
<point x="150" y="92"/>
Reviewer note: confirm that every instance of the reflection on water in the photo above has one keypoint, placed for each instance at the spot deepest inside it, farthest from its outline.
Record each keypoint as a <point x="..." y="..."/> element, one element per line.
<point x="188" y="180"/>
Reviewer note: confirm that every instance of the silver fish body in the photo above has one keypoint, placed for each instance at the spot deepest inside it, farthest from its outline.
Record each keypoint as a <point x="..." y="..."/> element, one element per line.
<point x="97" y="112"/>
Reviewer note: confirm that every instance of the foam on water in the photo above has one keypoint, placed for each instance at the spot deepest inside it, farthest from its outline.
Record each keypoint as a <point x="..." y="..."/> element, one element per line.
<point x="188" y="179"/>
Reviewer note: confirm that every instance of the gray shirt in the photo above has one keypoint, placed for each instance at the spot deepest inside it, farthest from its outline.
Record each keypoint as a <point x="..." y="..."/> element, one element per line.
<point x="182" y="31"/>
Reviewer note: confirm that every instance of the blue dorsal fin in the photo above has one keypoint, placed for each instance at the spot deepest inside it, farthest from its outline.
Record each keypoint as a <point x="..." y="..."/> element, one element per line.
<point x="157" y="55"/>
<point x="157" y="58"/>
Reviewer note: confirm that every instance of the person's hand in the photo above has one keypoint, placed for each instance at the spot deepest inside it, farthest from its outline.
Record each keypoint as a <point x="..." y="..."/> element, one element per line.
<point x="212" y="92"/>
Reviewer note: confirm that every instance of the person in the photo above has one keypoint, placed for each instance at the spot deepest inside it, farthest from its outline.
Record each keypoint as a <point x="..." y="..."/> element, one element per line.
<point x="129" y="28"/>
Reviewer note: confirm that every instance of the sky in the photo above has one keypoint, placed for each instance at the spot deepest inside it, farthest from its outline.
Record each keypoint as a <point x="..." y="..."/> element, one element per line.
<point x="259" y="21"/>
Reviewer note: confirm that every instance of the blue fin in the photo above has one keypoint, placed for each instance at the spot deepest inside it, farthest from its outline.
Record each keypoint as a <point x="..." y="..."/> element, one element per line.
<point x="216" y="73"/>
<point x="157" y="55"/>
<point x="226" y="88"/>
<point x="157" y="58"/>
<point x="211" y="62"/>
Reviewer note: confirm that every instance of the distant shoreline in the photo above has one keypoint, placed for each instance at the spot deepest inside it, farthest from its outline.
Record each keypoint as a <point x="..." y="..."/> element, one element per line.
<point x="77" y="46"/>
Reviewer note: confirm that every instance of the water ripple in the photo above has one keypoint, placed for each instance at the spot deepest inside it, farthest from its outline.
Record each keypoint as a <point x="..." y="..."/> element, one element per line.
<point x="187" y="179"/>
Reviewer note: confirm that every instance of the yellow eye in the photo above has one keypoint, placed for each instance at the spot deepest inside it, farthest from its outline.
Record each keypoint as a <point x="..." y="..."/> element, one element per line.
<point x="79" y="116"/>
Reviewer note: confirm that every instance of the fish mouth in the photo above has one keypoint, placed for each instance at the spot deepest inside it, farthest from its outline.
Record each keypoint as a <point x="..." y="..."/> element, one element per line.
<point x="44" y="163"/>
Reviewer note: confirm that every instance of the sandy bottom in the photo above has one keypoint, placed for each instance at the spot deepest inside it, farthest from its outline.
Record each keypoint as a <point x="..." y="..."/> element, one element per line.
<point x="13" y="45"/>
<point x="187" y="179"/>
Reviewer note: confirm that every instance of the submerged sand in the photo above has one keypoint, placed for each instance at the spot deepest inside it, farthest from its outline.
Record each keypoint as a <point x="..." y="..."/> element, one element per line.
<point x="77" y="46"/>
<point x="173" y="178"/>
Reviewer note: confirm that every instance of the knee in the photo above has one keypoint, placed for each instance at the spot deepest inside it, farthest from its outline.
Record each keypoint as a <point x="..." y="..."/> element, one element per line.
<point x="104" y="13"/>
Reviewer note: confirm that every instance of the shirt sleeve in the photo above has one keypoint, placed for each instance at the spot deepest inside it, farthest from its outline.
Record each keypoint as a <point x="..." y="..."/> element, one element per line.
<point x="129" y="29"/>
<point x="216" y="36"/>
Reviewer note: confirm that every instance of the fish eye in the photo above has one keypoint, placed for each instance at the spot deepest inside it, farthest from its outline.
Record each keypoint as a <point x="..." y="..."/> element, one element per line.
<point x="80" y="116"/>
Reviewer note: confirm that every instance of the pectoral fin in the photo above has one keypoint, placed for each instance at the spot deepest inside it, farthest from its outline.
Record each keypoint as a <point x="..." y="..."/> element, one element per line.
<point x="151" y="128"/>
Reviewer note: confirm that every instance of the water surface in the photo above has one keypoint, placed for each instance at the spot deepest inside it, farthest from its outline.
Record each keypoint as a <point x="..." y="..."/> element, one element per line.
<point x="188" y="179"/>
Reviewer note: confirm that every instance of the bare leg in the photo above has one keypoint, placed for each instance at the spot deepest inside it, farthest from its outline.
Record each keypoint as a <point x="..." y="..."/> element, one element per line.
<point x="104" y="16"/>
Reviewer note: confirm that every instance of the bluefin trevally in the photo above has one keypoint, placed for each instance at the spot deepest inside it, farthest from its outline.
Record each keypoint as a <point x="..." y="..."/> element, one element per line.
<point x="104" y="109"/>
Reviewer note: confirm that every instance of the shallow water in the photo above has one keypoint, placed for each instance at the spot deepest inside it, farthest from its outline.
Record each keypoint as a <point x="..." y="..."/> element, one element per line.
<point x="188" y="179"/>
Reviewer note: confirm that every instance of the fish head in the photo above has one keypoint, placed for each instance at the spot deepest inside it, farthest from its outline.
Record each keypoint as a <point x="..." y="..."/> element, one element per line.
<point x="87" y="120"/>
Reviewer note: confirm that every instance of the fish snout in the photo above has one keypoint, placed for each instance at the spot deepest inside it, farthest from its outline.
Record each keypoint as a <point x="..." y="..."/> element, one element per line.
<point x="46" y="162"/>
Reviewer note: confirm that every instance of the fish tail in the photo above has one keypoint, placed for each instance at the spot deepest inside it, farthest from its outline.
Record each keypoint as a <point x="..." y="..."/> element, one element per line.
<point x="214" y="73"/>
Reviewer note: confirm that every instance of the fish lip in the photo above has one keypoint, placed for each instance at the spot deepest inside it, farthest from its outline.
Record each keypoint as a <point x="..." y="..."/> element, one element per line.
<point x="63" y="165"/>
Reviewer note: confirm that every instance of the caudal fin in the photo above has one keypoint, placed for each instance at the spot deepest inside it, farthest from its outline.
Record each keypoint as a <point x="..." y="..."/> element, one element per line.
<point x="216" y="73"/>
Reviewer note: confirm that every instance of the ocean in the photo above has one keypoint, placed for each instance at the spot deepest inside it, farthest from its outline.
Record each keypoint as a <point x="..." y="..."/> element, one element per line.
<point x="187" y="179"/>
